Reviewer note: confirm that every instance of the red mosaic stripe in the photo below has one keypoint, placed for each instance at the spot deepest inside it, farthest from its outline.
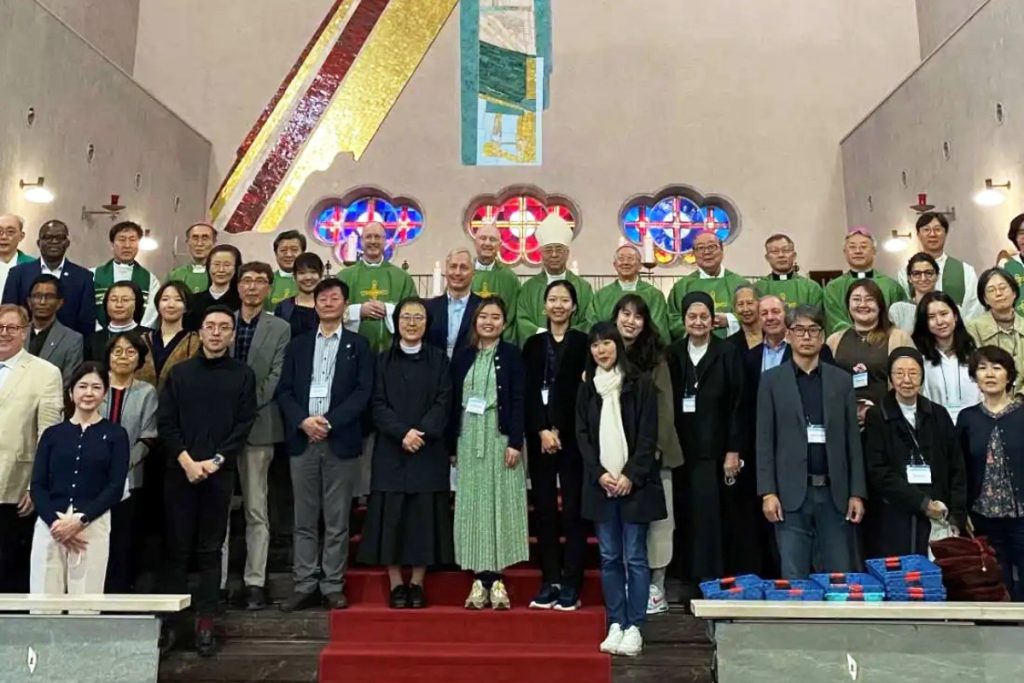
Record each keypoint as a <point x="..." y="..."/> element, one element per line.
<point x="307" y="115"/>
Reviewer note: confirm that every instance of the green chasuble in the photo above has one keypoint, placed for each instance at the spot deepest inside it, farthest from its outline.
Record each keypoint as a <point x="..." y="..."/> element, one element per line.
<point x="284" y="287"/>
<point x="837" y="315"/>
<point x="1015" y="268"/>
<point x="794" y="290"/>
<point x="503" y="282"/>
<point x="530" y="314"/>
<point x="720" y="288"/>
<point x="386" y="283"/>
<point x="103" y="279"/>
<point x="609" y="295"/>
<point x="193" y="275"/>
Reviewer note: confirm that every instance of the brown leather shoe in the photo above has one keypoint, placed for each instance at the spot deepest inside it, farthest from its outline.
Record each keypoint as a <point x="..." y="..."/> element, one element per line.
<point x="335" y="600"/>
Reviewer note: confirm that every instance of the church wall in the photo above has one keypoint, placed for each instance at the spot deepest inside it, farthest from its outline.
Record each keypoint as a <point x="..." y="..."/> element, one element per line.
<point x="110" y="25"/>
<point x="80" y="99"/>
<point x="746" y="99"/>
<point x="952" y="98"/>
<point x="936" y="19"/>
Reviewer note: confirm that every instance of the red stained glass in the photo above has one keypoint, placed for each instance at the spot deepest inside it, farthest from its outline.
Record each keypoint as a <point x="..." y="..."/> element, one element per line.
<point x="517" y="219"/>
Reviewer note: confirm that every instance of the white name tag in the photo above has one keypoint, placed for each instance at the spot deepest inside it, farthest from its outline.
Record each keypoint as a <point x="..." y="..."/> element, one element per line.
<point x="689" y="404"/>
<point x="318" y="390"/>
<point x="919" y="474"/>
<point x="815" y="434"/>
<point x="860" y="380"/>
<point x="453" y="477"/>
<point x="476" y="406"/>
<point x="544" y="396"/>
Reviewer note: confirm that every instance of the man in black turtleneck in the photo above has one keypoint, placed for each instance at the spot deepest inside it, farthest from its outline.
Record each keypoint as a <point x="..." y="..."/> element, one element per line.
<point x="207" y="407"/>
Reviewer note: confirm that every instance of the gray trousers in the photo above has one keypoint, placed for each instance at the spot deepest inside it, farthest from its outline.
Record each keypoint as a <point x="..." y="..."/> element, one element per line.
<point x="322" y="482"/>
<point x="815" y="532"/>
<point x="253" y="467"/>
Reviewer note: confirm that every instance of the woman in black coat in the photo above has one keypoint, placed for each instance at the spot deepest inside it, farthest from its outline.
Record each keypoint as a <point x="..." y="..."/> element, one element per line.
<point x="408" y="519"/>
<point x="716" y="506"/>
<point x="554" y="362"/>
<point x="915" y="471"/>
<point x="622" y="491"/>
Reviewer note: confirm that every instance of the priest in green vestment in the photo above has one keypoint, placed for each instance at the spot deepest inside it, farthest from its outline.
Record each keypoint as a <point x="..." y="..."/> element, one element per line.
<point x="375" y="286"/>
<point x="956" y="278"/>
<point x="627" y="267"/>
<point x="12" y="232"/>
<point x="492" y="278"/>
<point x="784" y="282"/>
<point x="1014" y="265"/>
<point x="859" y="250"/>
<point x="712" y="278"/>
<point x="200" y="238"/>
<point x="287" y="247"/>
<point x="124" y="243"/>
<point x="554" y="235"/>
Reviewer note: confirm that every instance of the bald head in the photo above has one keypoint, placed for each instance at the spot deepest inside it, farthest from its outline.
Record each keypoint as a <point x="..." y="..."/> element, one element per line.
<point x="12" y="232"/>
<point x="487" y="241"/>
<point x="373" y="242"/>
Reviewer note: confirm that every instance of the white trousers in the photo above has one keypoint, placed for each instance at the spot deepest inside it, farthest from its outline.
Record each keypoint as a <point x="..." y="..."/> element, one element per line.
<point x="57" y="571"/>
<point x="659" y="534"/>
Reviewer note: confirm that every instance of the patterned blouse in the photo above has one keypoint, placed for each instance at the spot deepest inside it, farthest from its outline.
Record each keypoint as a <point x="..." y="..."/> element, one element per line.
<point x="997" y="499"/>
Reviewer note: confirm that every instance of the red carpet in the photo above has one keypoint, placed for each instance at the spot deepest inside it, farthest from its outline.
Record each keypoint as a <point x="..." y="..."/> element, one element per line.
<point x="370" y="642"/>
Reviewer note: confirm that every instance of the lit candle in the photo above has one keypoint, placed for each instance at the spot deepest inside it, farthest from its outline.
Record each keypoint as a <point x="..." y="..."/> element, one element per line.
<point x="351" y="248"/>
<point x="575" y="267"/>
<point x="438" y="280"/>
<point x="648" y="247"/>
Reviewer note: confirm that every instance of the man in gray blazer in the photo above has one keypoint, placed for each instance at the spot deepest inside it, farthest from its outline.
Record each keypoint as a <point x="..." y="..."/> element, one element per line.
<point x="810" y="465"/>
<point x="260" y="341"/>
<point x="47" y="338"/>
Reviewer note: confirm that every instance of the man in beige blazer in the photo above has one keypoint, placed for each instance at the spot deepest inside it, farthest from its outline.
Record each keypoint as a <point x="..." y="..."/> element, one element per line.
<point x="30" y="401"/>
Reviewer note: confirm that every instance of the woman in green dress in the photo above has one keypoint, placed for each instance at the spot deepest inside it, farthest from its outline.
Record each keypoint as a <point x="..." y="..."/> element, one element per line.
<point x="490" y="491"/>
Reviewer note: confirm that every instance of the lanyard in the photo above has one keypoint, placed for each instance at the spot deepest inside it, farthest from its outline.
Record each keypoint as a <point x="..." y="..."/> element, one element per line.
<point x="945" y="384"/>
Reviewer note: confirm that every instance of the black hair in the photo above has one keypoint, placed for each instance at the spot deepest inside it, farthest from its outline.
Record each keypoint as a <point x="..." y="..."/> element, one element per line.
<point x="995" y="355"/>
<point x="331" y="283"/>
<point x="140" y="301"/>
<point x="135" y="340"/>
<point x="884" y="325"/>
<point x="414" y="300"/>
<point x="47" y="279"/>
<point x="290" y="235"/>
<point x="988" y="275"/>
<point x="608" y="331"/>
<point x="807" y="312"/>
<point x="647" y="350"/>
<point x="922" y="257"/>
<point x="218" y="308"/>
<point x="569" y="287"/>
<point x="929" y="216"/>
<point x="1015" y="226"/>
<point x="309" y="260"/>
<point x="474" y="340"/>
<point x="188" y="230"/>
<point x="124" y="226"/>
<point x="180" y="287"/>
<point x="86" y="368"/>
<point x="225" y="249"/>
<point x="963" y="344"/>
<point x="257" y="267"/>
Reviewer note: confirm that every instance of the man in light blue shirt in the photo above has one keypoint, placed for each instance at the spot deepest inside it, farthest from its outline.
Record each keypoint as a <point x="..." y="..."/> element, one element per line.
<point x="451" y="313"/>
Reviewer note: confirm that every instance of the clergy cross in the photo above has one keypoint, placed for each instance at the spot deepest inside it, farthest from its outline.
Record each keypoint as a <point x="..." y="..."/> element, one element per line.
<point x="373" y="292"/>
<point x="485" y="292"/>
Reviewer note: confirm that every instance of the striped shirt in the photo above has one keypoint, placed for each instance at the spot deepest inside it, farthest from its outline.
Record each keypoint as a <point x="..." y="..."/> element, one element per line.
<point x="325" y="355"/>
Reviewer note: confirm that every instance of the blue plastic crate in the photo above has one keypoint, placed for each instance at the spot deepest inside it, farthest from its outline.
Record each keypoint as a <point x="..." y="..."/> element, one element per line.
<point x="783" y="589"/>
<point x="928" y="582"/>
<point x="911" y="570"/>
<point x="744" y="587"/>
<point x="916" y="595"/>
<point x="854" y="597"/>
<point x="851" y="582"/>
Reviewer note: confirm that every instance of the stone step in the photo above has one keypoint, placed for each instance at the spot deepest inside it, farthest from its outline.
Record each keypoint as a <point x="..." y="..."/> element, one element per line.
<point x="272" y="624"/>
<point x="248" y="660"/>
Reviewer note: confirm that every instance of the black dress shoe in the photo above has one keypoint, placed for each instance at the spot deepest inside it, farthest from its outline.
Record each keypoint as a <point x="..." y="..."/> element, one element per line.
<point x="335" y="600"/>
<point x="300" y="601"/>
<point x="399" y="597"/>
<point x="255" y="598"/>
<point x="417" y="599"/>
<point x="206" y="642"/>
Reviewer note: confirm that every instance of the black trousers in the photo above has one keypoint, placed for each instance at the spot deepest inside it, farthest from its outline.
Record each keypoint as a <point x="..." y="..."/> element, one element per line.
<point x="547" y="472"/>
<point x="15" y="549"/>
<point x="127" y="543"/>
<point x="196" y="518"/>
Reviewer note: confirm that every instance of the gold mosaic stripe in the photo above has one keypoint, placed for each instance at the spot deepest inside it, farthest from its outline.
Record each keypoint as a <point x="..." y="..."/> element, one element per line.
<point x="253" y="158"/>
<point x="398" y="43"/>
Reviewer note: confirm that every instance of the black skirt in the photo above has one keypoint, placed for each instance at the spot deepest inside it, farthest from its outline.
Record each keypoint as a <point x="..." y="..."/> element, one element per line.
<point x="408" y="529"/>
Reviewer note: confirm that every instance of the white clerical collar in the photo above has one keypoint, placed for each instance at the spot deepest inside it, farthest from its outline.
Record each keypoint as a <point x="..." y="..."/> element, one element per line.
<point x="629" y="286"/>
<point x="702" y="275"/>
<point x="410" y="350"/>
<point x="46" y="270"/>
<point x="378" y="264"/>
<point x="555" y="278"/>
<point x="781" y="277"/>
<point x="488" y="268"/>
<point x="282" y="273"/>
<point x="863" y="274"/>
<point x="122" y="328"/>
<point x="124" y="266"/>
<point x="198" y="267"/>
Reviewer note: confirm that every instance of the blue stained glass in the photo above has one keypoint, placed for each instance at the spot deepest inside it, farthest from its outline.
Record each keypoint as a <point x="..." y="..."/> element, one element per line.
<point x="402" y="223"/>
<point x="673" y="223"/>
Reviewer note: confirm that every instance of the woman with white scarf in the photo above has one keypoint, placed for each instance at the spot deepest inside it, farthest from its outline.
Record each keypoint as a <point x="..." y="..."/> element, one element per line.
<point x="617" y="432"/>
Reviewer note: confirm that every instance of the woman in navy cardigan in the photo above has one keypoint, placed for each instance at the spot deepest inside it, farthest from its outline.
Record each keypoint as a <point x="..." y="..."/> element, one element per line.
<point x="78" y="476"/>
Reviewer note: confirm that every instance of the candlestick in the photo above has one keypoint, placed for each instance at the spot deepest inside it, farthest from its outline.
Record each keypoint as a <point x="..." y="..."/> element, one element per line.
<point x="437" y="284"/>
<point x="575" y="267"/>
<point x="351" y="251"/>
<point x="648" y="248"/>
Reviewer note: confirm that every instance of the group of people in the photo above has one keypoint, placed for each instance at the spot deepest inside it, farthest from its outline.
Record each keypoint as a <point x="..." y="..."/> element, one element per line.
<point x="772" y="426"/>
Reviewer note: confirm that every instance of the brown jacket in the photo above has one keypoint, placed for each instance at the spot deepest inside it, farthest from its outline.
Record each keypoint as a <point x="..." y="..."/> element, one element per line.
<point x="188" y="347"/>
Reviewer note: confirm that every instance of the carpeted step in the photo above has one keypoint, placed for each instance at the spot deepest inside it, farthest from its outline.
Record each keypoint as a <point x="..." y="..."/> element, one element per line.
<point x="429" y="662"/>
<point x="448" y="625"/>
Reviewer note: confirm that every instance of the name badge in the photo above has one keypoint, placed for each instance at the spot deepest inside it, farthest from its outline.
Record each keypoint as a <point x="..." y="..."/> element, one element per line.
<point x="476" y="406"/>
<point x="689" y="404"/>
<point x="860" y="380"/>
<point x="815" y="433"/>
<point x="919" y="474"/>
<point x="318" y="390"/>
<point x="544" y="396"/>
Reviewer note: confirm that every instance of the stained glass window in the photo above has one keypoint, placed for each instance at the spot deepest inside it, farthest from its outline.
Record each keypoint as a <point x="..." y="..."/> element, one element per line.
<point x="517" y="215"/>
<point x="335" y="220"/>
<point x="673" y="220"/>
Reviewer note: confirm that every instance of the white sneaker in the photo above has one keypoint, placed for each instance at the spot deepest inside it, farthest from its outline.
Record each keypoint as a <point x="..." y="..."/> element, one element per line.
<point x="611" y="643"/>
<point x="477" y="596"/>
<point x="632" y="642"/>
<point x="656" y="603"/>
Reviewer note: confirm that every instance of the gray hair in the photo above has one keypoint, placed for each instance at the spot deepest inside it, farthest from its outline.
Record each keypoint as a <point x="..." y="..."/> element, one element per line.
<point x="17" y="219"/>
<point x="812" y="313"/>
<point x="456" y="251"/>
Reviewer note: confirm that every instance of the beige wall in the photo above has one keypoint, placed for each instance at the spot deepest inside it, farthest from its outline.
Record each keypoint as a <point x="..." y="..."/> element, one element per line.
<point x="110" y="25"/>
<point x="747" y="99"/>
<point x="936" y="19"/>
<point x="951" y="98"/>
<point x="81" y="99"/>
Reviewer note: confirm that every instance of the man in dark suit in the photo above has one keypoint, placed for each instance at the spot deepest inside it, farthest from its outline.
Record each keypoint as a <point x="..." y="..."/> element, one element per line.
<point x="810" y="465"/>
<point x="78" y="311"/>
<point x="451" y="312"/>
<point x="325" y="387"/>
<point x="48" y="338"/>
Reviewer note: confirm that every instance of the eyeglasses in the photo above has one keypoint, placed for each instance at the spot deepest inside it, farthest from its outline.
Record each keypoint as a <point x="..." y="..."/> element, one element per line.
<point x="808" y="331"/>
<point x="42" y="298"/>
<point x="706" y="249"/>
<point x="11" y="329"/>
<point x="922" y="274"/>
<point x="781" y="252"/>
<point x="124" y="353"/>
<point x="214" y="327"/>
<point x="9" y="232"/>
<point x="412" y="318"/>
<point x="53" y="238"/>
<point x="253" y="281"/>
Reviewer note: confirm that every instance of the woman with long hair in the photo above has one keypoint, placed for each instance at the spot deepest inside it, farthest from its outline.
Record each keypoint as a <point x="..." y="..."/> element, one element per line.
<point x="942" y="338"/>
<point x="1000" y="325"/>
<point x="222" y="265"/>
<point x="170" y="342"/>
<point x="617" y="430"/>
<point x="554" y="362"/>
<point x="642" y="339"/>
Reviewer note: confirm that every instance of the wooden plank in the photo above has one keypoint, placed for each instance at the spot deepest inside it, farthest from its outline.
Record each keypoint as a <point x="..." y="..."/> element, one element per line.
<point x="23" y="602"/>
<point x="846" y="611"/>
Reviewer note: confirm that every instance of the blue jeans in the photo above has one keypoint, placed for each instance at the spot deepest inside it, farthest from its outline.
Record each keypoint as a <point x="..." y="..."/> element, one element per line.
<point x="1007" y="538"/>
<point x="625" y="574"/>
<point x="816" y="531"/>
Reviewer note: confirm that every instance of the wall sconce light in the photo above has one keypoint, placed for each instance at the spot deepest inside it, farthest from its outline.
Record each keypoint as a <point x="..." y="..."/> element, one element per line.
<point x="993" y="194"/>
<point x="897" y="242"/>
<point x="147" y="243"/>
<point x="36" y="192"/>
<point x="112" y="209"/>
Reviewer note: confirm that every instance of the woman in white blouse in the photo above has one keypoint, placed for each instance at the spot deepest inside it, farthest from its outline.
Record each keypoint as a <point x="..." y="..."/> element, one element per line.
<point x="940" y="335"/>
